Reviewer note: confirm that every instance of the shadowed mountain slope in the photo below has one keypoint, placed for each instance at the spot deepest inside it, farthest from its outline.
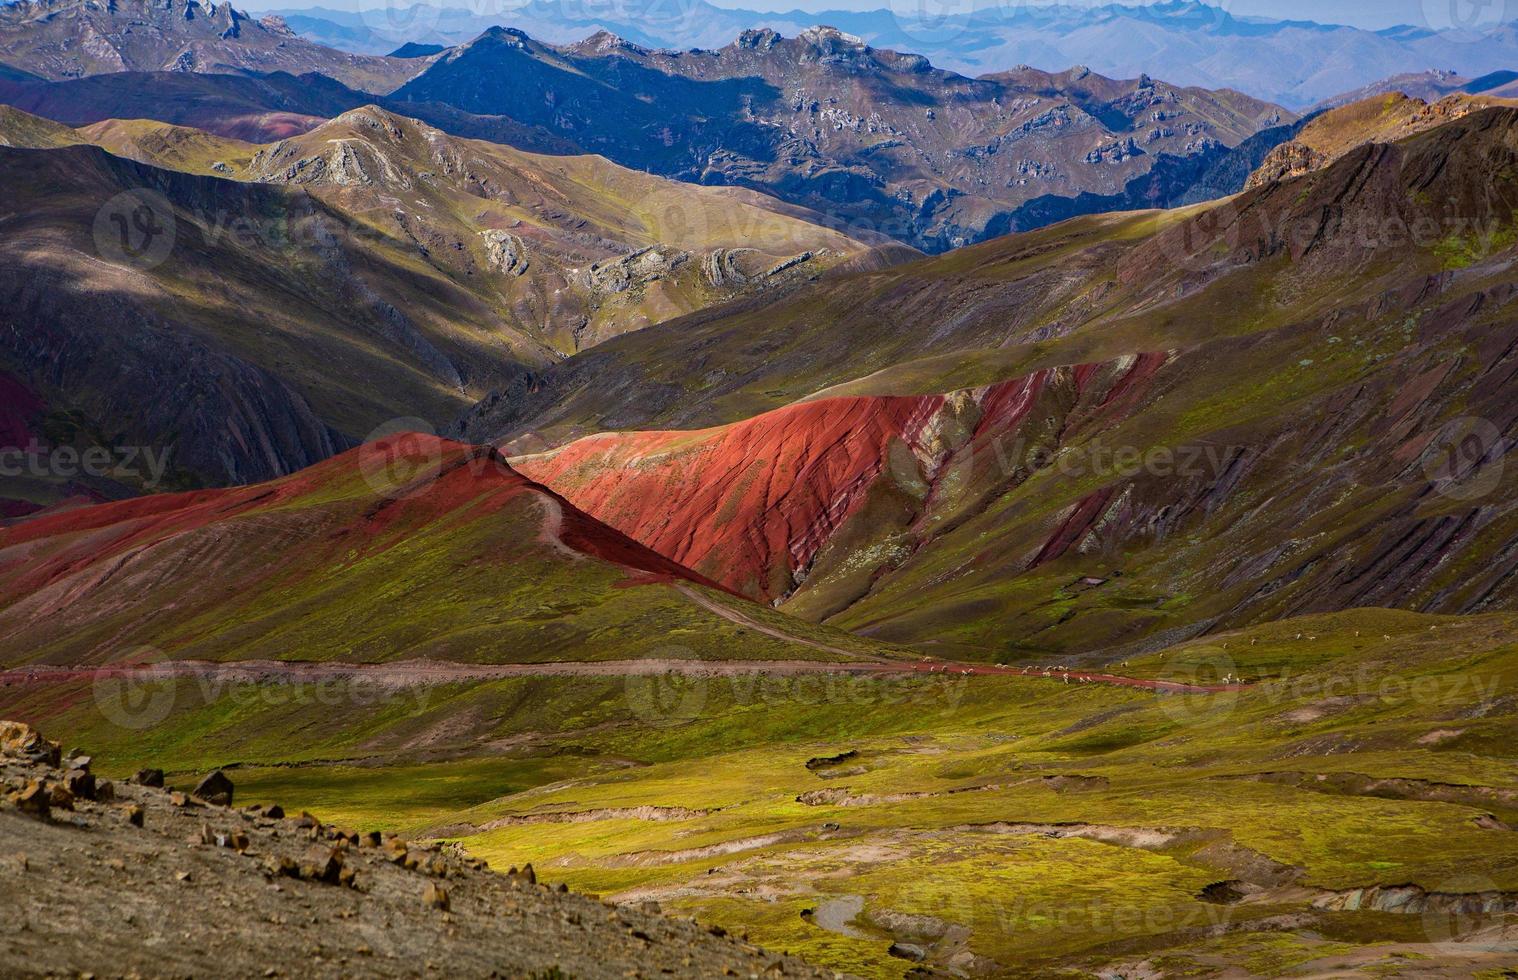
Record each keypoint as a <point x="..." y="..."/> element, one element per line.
<point x="413" y="271"/>
<point x="405" y="548"/>
<point x="271" y="321"/>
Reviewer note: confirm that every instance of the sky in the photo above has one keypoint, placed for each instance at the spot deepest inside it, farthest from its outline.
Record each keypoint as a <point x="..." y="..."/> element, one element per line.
<point x="1368" y="14"/>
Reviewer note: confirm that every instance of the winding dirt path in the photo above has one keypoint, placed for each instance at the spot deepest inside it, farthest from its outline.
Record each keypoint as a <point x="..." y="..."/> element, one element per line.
<point x="748" y="622"/>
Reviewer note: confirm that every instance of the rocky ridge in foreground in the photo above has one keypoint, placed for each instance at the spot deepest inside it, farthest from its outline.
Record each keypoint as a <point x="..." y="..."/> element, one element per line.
<point x="141" y="880"/>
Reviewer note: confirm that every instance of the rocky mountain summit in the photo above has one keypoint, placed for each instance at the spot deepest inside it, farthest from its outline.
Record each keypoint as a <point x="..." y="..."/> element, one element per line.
<point x="115" y="876"/>
<point x="58" y="39"/>
<point x="1376" y="119"/>
<point x="577" y="249"/>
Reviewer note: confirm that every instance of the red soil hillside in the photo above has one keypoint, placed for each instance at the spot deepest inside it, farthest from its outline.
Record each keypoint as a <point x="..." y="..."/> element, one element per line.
<point x="754" y="504"/>
<point x="748" y="502"/>
<point x="408" y="547"/>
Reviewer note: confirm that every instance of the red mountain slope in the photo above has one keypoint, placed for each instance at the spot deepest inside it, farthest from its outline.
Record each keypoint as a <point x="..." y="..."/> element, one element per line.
<point x="754" y="504"/>
<point x="409" y="547"/>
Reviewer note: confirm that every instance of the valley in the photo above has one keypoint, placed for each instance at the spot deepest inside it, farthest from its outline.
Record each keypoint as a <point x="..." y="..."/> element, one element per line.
<point x="546" y="503"/>
<point x="969" y="824"/>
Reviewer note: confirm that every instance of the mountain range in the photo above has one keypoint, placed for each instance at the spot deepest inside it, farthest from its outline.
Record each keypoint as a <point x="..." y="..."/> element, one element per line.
<point x="56" y="39"/>
<point x="1290" y="59"/>
<point x="880" y="142"/>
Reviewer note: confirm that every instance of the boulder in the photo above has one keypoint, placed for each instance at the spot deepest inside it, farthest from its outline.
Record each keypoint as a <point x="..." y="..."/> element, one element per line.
<point x="435" y="896"/>
<point x="324" y="864"/>
<point x="59" y="797"/>
<point x="81" y="783"/>
<point x="215" y="789"/>
<point x="148" y="777"/>
<point x="19" y="740"/>
<point x="33" y="800"/>
<point x="279" y="866"/>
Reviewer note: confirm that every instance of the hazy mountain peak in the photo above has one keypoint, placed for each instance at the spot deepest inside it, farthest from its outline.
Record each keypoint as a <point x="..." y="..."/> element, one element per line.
<point x="758" y="39"/>
<point x="58" y="39"/>
<point x="825" y="35"/>
<point x="605" y="42"/>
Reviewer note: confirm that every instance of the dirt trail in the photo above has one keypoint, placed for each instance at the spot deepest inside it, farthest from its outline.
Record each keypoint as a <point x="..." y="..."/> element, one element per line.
<point x="411" y="673"/>
<point x="552" y="533"/>
<point x="748" y="622"/>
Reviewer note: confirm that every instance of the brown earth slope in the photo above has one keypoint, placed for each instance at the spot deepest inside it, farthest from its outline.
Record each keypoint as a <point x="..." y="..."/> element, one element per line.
<point x="117" y="878"/>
